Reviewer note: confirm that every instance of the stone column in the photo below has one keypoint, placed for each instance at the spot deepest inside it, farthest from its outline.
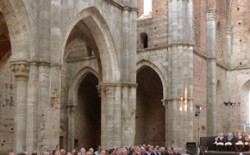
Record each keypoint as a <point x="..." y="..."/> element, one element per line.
<point x="128" y="113"/>
<point x="31" y="124"/>
<point x="128" y="70"/>
<point x="180" y="74"/>
<point x="55" y="69"/>
<point x="110" y="115"/>
<point x="21" y="71"/>
<point x="211" y="72"/>
<point x="229" y="51"/>
<point x="44" y="107"/>
<point x="229" y="46"/>
<point x="71" y="127"/>
<point x="165" y="104"/>
<point x="189" y="76"/>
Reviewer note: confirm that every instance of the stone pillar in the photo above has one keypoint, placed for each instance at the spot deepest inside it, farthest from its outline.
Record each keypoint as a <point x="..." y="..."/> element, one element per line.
<point x="229" y="51"/>
<point x="53" y="130"/>
<point x="128" y="70"/>
<point x="180" y="74"/>
<point x="126" y="43"/>
<point x="71" y="127"/>
<point x="211" y="72"/>
<point x="44" y="107"/>
<point x="128" y="113"/>
<point x="31" y="124"/>
<point x="165" y="104"/>
<point x="48" y="106"/>
<point x="55" y="69"/>
<point x="110" y="115"/>
<point x="21" y="71"/>
<point x="229" y="46"/>
<point x="128" y="52"/>
<point x="189" y="76"/>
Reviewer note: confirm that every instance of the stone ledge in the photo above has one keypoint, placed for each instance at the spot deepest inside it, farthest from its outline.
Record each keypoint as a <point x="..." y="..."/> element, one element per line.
<point x="117" y="84"/>
<point x="120" y="6"/>
<point x="162" y="47"/>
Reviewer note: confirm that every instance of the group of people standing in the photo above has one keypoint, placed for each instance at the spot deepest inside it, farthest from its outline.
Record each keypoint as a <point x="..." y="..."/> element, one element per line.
<point x="232" y="142"/>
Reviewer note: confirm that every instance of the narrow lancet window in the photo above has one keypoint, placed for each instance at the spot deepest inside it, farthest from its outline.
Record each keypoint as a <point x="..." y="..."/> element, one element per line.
<point x="144" y="40"/>
<point x="147" y="7"/>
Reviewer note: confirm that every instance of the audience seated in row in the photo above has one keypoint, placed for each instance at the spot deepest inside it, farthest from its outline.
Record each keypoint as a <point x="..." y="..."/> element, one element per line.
<point x="132" y="150"/>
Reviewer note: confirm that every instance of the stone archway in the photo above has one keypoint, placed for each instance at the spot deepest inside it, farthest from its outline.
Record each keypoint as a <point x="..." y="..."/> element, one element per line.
<point x="14" y="57"/>
<point x="6" y="91"/>
<point x="88" y="114"/>
<point x="17" y="22"/>
<point x="150" y="113"/>
<point x="90" y="27"/>
<point x="105" y="52"/>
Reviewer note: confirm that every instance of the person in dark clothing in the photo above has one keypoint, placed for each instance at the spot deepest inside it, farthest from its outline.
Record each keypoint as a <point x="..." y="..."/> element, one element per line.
<point x="229" y="142"/>
<point x="240" y="140"/>
<point x="221" y="142"/>
<point x="163" y="151"/>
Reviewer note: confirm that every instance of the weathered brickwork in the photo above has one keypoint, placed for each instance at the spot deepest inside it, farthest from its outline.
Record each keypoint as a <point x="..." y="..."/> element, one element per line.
<point x="223" y="124"/>
<point x="199" y="94"/>
<point x="154" y="24"/>
<point x="239" y="82"/>
<point x="240" y="23"/>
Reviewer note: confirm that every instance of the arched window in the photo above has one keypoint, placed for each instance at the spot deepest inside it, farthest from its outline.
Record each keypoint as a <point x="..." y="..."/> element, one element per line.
<point x="147" y="7"/>
<point x="144" y="40"/>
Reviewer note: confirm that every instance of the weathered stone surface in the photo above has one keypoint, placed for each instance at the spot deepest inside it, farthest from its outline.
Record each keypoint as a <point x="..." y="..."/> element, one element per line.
<point x="51" y="50"/>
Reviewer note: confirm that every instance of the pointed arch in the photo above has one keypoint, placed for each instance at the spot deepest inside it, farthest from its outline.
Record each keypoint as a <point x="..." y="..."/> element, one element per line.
<point x="160" y="72"/>
<point x="17" y="22"/>
<point x="76" y="81"/>
<point x="106" y="55"/>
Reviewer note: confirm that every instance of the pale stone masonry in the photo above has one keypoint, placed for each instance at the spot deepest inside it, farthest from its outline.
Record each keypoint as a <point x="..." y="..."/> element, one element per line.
<point x="211" y="69"/>
<point x="83" y="73"/>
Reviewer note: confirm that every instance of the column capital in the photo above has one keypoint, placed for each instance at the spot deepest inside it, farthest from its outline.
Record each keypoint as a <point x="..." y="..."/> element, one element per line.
<point x="20" y="69"/>
<point x="211" y="14"/>
<point x="108" y="89"/>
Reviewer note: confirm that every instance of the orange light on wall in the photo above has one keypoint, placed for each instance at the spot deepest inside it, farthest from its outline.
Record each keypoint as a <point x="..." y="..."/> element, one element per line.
<point x="184" y="101"/>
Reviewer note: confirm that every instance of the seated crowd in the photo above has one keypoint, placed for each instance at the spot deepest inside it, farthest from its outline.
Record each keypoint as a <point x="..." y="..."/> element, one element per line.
<point x="133" y="150"/>
<point x="232" y="142"/>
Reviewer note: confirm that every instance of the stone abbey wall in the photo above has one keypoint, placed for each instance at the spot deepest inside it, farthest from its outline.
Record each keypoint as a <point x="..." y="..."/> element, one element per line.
<point x="54" y="50"/>
<point x="7" y="97"/>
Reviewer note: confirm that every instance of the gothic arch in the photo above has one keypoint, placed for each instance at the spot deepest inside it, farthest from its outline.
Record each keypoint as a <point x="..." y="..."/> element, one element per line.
<point x="106" y="55"/>
<point x="160" y="72"/>
<point x="17" y="22"/>
<point x="76" y="81"/>
<point x="150" y="93"/>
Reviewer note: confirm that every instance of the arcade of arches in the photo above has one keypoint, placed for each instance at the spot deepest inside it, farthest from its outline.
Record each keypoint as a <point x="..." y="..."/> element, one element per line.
<point x="86" y="73"/>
